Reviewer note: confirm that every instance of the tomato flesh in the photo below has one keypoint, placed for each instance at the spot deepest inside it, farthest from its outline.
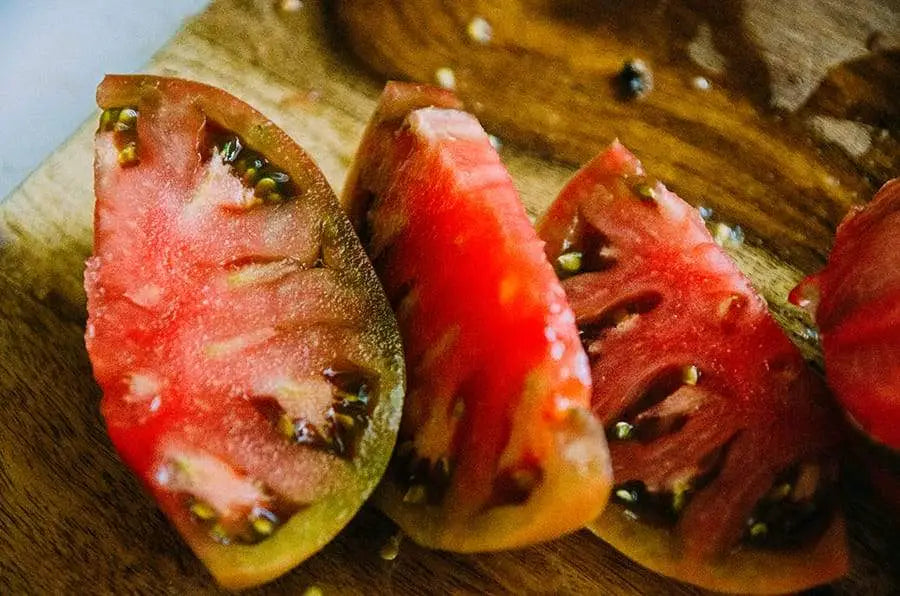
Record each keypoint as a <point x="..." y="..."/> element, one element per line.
<point x="250" y="365"/>
<point x="720" y="435"/>
<point x="497" y="446"/>
<point x="856" y="304"/>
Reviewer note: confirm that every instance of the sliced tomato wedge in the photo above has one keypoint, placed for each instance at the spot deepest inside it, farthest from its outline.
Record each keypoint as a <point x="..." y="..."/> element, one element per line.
<point x="250" y="364"/>
<point x="498" y="448"/>
<point x="856" y="304"/>
<point x="720" y="435"/>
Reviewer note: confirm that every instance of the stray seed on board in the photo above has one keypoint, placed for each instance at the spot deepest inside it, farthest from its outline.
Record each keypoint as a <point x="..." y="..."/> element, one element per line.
<point x="391" y="548"/>
<point x="726" y="236"/>
<point x="700" y="83"/>
<point x="445" y="77"/>
<point x="635" y="80"/>
<point x="721" y="233"/>
<point x="480" y="30"/>
<point x="291" y="5"/>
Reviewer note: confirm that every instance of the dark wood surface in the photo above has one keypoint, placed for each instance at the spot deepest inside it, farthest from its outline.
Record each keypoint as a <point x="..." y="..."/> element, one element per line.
<point x="786" y="138"/>
<point x="775" y="145"/>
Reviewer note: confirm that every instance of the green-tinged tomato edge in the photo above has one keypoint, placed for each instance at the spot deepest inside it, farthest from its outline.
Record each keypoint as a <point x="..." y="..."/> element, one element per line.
<point x="236" y="566"/>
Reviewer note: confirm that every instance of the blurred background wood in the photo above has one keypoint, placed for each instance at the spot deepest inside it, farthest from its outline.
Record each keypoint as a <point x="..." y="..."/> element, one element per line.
<point x="72" y="518"/>
<point x="779" y="115"/>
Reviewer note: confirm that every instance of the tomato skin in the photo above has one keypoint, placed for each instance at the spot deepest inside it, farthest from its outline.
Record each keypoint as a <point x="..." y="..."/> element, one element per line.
<point x="198" y="308"/>
<point x="497" y="380"/>
<point x="856" y="304"/>
<point x="886" y="481"/>
<point x="877" y="468"/>
<point x="751" y="402"/>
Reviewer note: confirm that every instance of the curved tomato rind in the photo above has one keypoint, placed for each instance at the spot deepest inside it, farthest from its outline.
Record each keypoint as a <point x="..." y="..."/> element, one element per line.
<point x="396" y="102"/>
<point x="857" y="310"/>
<point x="685" y="352"/>
<point x="497" y="447"/>
<point x="218" y="280"/>
<point x="742" y="572"/>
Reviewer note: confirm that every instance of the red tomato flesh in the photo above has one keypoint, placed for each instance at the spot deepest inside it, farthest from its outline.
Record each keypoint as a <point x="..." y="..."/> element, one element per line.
<point x="250" y="364"/>
<point x="498" y="448"/>
<point x="720" y="435"/>
<point x="856" y="304"/>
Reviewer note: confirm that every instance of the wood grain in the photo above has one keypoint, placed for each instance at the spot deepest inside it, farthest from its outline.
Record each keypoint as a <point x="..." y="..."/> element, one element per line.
<point x="74" y="520"/>
<point x="546" y="80"/>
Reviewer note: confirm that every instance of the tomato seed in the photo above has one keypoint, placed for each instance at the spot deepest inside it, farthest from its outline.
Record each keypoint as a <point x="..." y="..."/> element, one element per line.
<point x="634" y="80"/>
<point x="202" y="510"/>
<point x="679" y="500"/>
<point x="459" y="408"/>
<point x="122" y="121"/>
<point x="644" y="191"/>
<point x="622" y="430"/>
<point x="779" y="492"/>
<point x="107" y="118"/>
<point x="262" y="526"/>
<point x="128" y="117"/>
<point x="219" y="534"/>
<point x="727" y="236"/>
<point x="391" y="548"/>
<point x="690" y="375"/>
<point x="415" y="494"/>
<point x="626" y="495"/>
<point x="569" y="263"/>
<point x="231" y="149"/>
<point x="128" y="155"/>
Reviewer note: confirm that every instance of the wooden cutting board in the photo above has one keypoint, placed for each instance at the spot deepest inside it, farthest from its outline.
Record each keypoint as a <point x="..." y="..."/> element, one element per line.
<point x="801" y="122"/>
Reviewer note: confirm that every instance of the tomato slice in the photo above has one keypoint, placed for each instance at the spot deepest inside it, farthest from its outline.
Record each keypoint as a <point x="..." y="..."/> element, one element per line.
<point x="720" y="435"/>
<point x="250" y="364"/>
<point x="498" y="448"/>
<point x="856" y="304"/>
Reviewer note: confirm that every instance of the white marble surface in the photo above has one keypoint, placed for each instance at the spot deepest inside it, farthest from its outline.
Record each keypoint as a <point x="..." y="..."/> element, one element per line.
<point x="52" y="55"/>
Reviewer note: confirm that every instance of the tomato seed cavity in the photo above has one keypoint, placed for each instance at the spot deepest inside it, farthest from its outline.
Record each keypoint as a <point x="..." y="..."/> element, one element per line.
<point x="250" y="527"/>
<point x="585" y="249"/>
<point x="425" y="481"/>
<point x="514" y="485"/>
<point x="635" y="80"/>
<point x="663" y="507"/>
<point x="796" y="509"/>
<point x="643" y="188"/>
<point x="270" y="184"/>
<point x="122" y="122"/>
<point x="620" y="315"/>
<point x="353" y="392"/>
